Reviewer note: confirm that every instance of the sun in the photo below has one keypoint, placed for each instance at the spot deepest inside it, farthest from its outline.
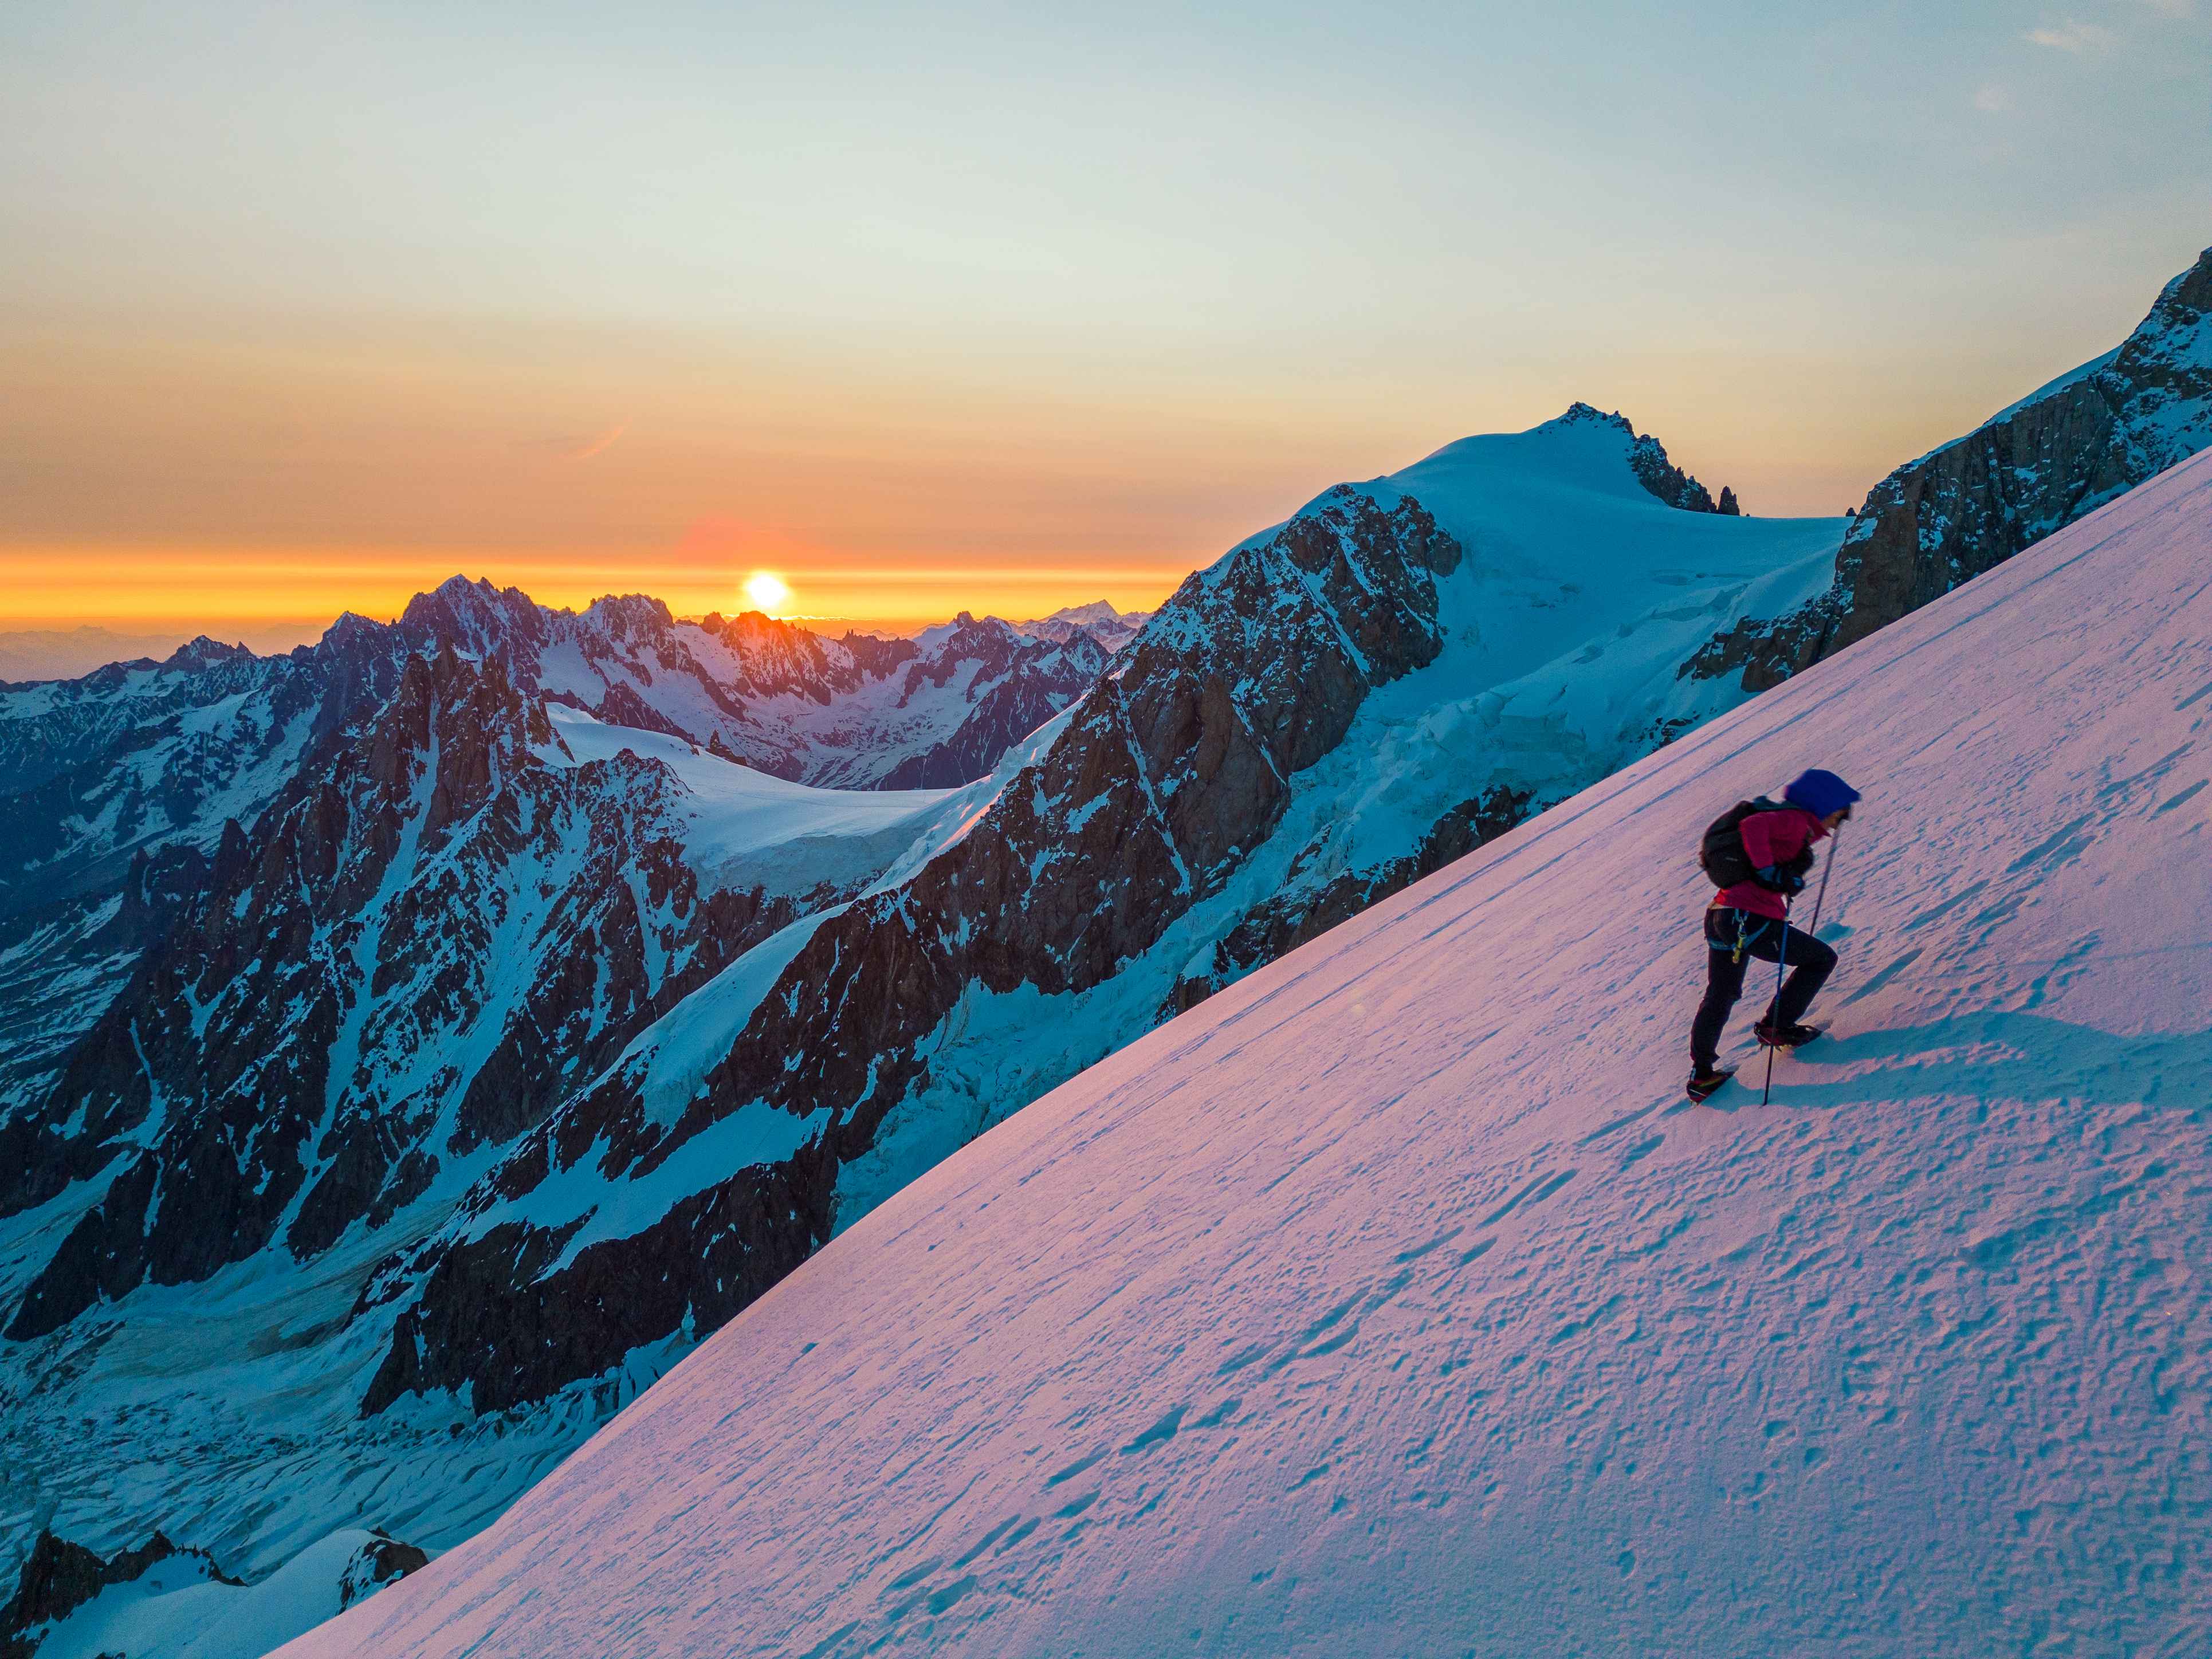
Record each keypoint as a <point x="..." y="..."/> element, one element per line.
<point x="767" y="591"/>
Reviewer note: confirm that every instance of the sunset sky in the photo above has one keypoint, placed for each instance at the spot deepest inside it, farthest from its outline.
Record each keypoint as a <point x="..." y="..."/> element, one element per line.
<point x="305" y="308"/>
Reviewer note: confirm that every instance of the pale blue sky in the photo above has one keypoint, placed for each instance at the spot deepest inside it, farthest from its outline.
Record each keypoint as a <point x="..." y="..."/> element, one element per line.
<point x="1169" y="269"/>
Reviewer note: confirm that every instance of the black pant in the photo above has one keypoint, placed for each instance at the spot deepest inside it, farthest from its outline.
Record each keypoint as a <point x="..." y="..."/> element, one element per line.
<point x="1810" y="964"/>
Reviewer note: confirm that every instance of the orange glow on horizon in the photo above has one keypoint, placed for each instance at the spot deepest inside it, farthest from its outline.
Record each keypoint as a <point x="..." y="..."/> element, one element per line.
<point x="141" y="587"/>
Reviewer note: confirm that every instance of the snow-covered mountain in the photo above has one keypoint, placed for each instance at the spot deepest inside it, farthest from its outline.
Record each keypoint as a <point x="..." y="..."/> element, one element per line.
<point x="56" y="653"/>
<point x="484" y="1073"/>
<point x="116" y="788"/>
<point x="2063" y="451"/>
<point x="414" y="954"/>
<point x="1101" y="621"/>
<point x="1394" y="1301"/>
<point x="146" y="757"/>
<point x="114" y="791"/>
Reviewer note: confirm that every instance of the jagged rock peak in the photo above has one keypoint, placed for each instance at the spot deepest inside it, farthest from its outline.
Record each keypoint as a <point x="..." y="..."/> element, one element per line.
<point x="350" y="631"/>
<point x="1582" y="414"/>
<point x="967" y="628"/>
<point x="2187" y="297"/>
<point x="201" y="651"/>
<point x="626" y="613"/>
<point x="1647" y="459"/>
<point x="472" y="614"/>
<point x="2032" y="468"/>
<point x="380" y="1560"/>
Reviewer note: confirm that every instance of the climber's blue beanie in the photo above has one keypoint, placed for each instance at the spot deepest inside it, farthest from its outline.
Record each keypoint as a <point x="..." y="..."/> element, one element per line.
<point x="1820" y="792"/>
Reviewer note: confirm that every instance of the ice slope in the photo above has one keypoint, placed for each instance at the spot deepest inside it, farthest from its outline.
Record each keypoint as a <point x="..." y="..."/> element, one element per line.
<point x="1393" y="1300"/>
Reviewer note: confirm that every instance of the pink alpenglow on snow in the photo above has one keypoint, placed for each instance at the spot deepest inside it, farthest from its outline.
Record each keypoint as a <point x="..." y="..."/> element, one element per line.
<point x="1393" y="1300"/>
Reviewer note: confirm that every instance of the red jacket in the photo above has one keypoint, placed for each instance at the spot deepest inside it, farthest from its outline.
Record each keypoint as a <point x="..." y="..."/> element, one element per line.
<point x="1771" y="838"/>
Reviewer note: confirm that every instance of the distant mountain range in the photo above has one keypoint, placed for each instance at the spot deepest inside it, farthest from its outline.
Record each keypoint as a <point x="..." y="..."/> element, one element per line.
<point x="121" y="784"/>
<point x="55" y="653"/>
<point x="417" y="1042"/>
<point x="62" y="653"/>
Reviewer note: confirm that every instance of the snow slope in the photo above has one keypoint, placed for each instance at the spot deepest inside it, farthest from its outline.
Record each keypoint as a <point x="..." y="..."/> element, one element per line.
<point x="1393" y="1300"/>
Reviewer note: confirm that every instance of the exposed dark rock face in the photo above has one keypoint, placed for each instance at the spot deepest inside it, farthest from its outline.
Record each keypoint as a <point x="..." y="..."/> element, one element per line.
<point x="493" y="1319"/>
<point x="1166" y="777"/>
<point x="284" y="1064"/>
<point x="1729" y="505"/>
<point x="61" y="962"/>
<point x="1969" y="505"/>
<point x="623" y="707"/>
<point x="378" y="1563"/>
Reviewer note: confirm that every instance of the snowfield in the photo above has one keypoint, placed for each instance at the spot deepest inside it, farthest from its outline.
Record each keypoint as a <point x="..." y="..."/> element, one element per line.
<point x="748" y="826"/>
<point x="1393" y="1300"/>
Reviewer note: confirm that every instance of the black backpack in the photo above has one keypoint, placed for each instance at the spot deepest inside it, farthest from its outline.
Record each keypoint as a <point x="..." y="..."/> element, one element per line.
<point x="1721" y="854"/>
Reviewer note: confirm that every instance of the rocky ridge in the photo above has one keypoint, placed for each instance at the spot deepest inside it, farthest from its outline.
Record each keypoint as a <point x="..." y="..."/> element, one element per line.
<point x="2061" y="453"/>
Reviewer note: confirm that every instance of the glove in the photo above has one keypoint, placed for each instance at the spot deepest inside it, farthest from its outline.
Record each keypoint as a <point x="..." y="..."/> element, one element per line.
<point x="1779" y="878"/>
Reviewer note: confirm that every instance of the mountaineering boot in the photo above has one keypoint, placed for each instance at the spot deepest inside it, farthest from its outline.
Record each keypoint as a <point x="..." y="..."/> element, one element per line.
<point x="1702" y="1085"/>
<point x="1785" y="1036"/>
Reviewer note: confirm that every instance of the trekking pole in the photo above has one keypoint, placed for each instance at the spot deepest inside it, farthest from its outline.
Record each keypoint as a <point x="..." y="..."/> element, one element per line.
<point x="1819" y="899"/>
<point x="1834" y="841"/>
<point x="1774" y="1013"/>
